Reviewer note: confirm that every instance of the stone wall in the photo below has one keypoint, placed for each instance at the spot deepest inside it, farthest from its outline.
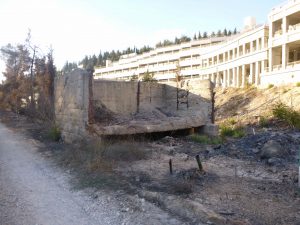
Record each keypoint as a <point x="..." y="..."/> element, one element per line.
<point x="72" y="104"/>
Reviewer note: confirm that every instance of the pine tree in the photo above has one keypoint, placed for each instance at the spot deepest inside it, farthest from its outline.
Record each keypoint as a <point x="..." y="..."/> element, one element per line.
<point x="199" y="35"/>
<point x="225" y="32"/>
<point x="195" y="37"/>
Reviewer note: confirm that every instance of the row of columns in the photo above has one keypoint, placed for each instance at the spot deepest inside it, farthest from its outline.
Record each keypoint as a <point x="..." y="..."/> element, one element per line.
<point x="237" y="76"/>
<point x="260" y="44"/>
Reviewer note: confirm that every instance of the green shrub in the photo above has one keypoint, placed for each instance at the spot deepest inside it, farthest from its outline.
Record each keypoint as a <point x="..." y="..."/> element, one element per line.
<point x="232" y="121"/>
<point x="203" y="139"/>
<point x="270" y="86"/>
<point x="286" y="114"/>
<point x="229" y="130"/>
<point x="298" y="84"/>
<point x="54" y="133"/>
<point x="285" y="91"/>
<point x="264" y="121"/>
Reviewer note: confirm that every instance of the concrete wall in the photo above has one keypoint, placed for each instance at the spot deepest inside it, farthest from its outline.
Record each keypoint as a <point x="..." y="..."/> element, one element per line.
<point x="280" y="77"/>
<point x="129" y="98"/>
<point x="72" y="104"/>
<point x="127" y="107"/>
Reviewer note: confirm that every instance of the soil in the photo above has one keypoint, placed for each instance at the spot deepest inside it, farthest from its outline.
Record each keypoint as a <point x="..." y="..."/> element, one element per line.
<point x="236" y="186"/>
<point x="249" y="104"/>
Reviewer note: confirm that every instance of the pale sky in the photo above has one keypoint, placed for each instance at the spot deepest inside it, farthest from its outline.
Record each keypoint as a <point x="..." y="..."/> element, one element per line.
<point x="77" y="28"/>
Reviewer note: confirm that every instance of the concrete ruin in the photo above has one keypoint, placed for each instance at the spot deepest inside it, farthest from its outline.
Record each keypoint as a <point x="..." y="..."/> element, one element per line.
<point x="85" y="107"/>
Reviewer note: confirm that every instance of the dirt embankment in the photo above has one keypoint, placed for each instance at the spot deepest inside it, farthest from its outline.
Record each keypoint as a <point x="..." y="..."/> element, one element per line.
<point x="246" y="105"/>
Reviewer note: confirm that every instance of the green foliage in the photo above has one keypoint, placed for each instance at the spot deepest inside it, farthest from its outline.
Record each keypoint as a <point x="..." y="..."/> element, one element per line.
<point x="148" y="77"/>
<point x="68" y="67"/>
<point x="270" y="86"/>
<point x="54" y="133"/>
<point x="298" y="84"/>
<point x="287" y="114"/>
<point x="231" y="121"/>
<point x="203" y="139"/>
<point x="134" y="78"/>
<point x="29" y="83"/>
<point x="264" y="121"/>
<point x="230" y="128"/>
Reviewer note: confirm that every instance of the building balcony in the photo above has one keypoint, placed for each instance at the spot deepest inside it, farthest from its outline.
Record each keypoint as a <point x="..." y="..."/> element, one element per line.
<point x="277" y="33"/>
<point x="293" y="64"/>
<point x="293" y="28"/>
<point x="277" y="67"/>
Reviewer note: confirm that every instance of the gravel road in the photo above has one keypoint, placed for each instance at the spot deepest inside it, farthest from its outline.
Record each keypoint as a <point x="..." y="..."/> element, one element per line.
<point x="35" y="191"/>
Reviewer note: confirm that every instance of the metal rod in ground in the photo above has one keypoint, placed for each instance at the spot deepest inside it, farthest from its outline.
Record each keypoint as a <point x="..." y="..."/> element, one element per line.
<point x="299" y="177"/>
<point x="199" y="163"/>
<point x="171" y="167"/>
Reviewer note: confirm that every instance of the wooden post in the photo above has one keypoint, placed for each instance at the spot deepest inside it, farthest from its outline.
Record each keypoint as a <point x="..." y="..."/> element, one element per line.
<point x="199" y="163"/>
<point x="171" y="167"/>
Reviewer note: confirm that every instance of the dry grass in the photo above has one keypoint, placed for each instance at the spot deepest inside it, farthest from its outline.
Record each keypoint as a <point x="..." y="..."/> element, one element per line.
<point x="124" y="151"/>
<point x="94" y="162"/>
<point x="180" y="186"/>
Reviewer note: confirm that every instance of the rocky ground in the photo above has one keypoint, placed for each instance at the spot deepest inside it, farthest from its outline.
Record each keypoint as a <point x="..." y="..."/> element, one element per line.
<point x="251" y="180"/>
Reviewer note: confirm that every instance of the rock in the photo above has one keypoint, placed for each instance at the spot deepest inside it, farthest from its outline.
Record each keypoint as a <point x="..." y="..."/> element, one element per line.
<point x="255" y="150"/>
<point x="274" y="161"/>
<point x="272" y="149"/>
<point x="182" y="156"/>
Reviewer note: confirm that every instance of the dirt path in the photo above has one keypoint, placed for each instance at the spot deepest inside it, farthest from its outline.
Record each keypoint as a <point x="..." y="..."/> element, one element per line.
<point x="34" y="191"/>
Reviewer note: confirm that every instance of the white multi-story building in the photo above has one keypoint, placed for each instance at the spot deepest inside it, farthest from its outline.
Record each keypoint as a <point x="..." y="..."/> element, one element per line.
<point x="259" y="55"/>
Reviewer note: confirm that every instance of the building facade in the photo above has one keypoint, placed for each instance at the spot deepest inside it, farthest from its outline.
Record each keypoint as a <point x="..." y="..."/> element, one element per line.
<point x="259" y="55"/>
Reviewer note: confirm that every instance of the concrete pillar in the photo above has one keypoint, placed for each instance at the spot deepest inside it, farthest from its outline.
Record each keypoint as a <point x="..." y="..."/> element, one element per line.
<point x="251" y="46"/>
<point x="238" y="77"/>
<point x="263" y="65"/>
<point x="270" y="59"/>
<point x="284" y="25"/>
<point x="243" y="75"/>
<point x="234" y="77"/>
<point x="285" y="50"/>
<point x="229" y="78"/>
<point x="271" y="28"/>
<point x="224" y="59"/>
<point x="256" y="73"/>
<point x="244" y="49"/>
<point x="264" y="42"/>
<point x="251" y="76"/>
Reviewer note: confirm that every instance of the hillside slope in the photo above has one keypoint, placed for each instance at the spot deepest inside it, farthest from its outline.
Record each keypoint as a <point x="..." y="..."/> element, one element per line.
<point x="248" y="104"/>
